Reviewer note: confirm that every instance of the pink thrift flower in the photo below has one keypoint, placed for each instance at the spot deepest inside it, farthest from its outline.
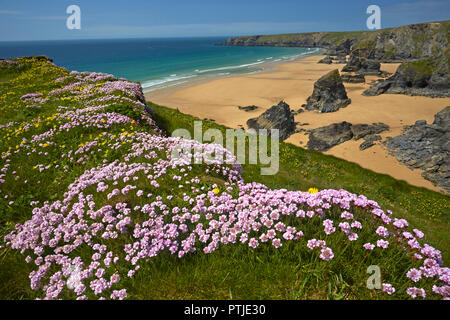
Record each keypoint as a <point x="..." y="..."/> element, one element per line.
<point x="419" y="234"/>
<point x="352" y="236"/>
<point x="382" y="244"/>
<point x="414" y="274"/>
<point x="382" y="232"/>
<point x="253" y="243"/>
<point x="388" y="288"/>
<point x="356" y="225"/>
<point x="276" y="243"/>
<point x="417" y="256"/>
<point x="346" y="215"/>
<point x="414" y="292"/>
<point x="326" y="254"/>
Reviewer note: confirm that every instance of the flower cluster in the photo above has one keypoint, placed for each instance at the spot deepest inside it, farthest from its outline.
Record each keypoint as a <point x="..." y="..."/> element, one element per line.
<point x="126" y="209"/>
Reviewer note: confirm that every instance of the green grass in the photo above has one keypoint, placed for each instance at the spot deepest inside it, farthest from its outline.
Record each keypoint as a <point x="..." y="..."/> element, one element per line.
<point x="234" y="271"/>
<point x="425" y="66"/>
<point x="301" y="169"/>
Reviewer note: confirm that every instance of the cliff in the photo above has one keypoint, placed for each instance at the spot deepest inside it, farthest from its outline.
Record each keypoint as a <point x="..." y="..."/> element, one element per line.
<point x="342" y="41"/>
<point x="427" y="77"/>
<point x="409" y="42"/>
<point x="427" y="147"/>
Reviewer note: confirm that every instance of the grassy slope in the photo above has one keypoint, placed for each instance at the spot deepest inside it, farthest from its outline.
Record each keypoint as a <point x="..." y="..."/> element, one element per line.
<point x="234" y="271"/>
<point x="331" y="37"/>
<point x="301" y="169"/>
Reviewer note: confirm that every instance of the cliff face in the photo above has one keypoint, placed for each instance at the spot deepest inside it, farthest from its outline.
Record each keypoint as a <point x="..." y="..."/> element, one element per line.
<point x="395" y="44"/>
<point x="427" y="77"/>
<point x="407" y="43"/>
<point x="427" y="147"/>
<point x="423" y="47"/>
<point x="336" y="41"/>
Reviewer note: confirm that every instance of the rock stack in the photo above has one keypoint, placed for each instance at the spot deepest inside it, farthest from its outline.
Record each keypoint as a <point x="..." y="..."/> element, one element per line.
<point x="277" y="117"/>
<point x="359" y="63"/>
<point x="329" y="94"/>
<point x="324" y="138"/>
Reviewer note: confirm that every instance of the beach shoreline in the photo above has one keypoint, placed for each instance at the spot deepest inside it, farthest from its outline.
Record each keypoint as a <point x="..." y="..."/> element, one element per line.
<point x="266" y="67"/>
<point x="293" y="82"/>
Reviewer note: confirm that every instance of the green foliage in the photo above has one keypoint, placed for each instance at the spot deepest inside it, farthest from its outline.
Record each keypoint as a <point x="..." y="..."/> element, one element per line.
<point x="125" y="109"/>
<point x="425" y="66"/>
<point x="301" y="169"/>
<point x="234" y="271"/>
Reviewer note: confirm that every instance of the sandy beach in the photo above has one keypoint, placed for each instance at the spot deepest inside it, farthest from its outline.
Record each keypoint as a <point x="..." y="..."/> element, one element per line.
<point x="293" y="82"/>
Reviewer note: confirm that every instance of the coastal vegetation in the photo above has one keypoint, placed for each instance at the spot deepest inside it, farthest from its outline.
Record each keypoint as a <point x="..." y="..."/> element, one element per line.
<point x="93" y="204"/>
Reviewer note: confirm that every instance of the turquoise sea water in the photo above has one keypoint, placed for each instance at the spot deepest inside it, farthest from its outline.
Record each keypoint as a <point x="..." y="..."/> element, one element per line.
<point x="156" y="63"/>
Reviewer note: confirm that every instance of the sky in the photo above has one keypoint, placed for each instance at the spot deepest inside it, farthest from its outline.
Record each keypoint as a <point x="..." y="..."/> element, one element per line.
<point x="105" y="19"/>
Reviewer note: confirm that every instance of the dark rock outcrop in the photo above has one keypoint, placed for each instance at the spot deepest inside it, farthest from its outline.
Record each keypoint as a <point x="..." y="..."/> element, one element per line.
<point x="331" y="41"/>
<point x="362" y="130"/>
<point x="353" y="78"/>
<point x="277" y="117"/>
<point x="370" y="67"/>
<point x="405" y="43"/>
<point x="361" y="63"/>
<point x="369" y="142"/>
<point x="341" y="49"/>
<point x="329" y="94"/>
<point x="426" y="147"/>
<point x="326" y="60"/>
<point x="300" y="110"/>
<point x="353" y="64"/>
<point x="337" y="59"/>
<point x="408" y="43"/>
<point x="248" y="108"/>
<point x="428" y="77"/>
<point x="340" y="60"/>
<point x="324" y="138"/>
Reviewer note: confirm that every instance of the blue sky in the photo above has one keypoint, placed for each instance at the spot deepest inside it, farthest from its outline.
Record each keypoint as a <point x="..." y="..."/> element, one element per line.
<point x="46" y="19"/>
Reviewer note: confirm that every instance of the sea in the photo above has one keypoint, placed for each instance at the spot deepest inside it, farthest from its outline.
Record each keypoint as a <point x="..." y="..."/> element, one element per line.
<point x="156" y="63"/>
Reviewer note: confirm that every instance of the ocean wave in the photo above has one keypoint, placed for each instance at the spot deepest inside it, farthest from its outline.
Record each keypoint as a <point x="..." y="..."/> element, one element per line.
<point x="159" y="82"/>
<point x="175" y="79"/>
<point x="230" y="67"/>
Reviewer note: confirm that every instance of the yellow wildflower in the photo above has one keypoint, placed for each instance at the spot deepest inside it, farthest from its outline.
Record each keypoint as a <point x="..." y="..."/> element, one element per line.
<point x="313" y="190"/>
